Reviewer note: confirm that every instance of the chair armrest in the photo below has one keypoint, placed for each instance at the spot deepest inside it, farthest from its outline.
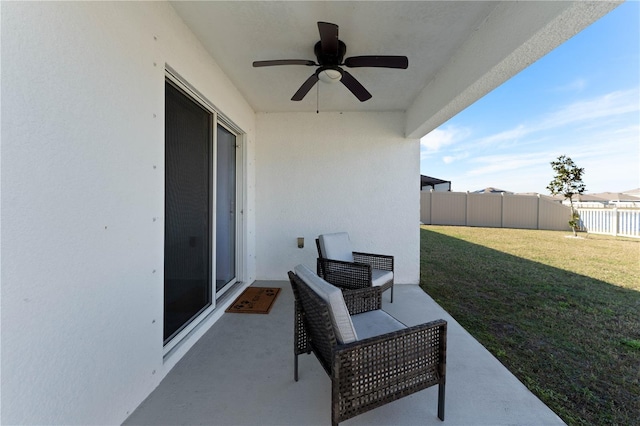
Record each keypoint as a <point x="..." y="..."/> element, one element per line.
<point x="395" y="364"/>
<point x="343" y="274"/>
<point x="377" y="261"/>
<point x="363" y="300"/>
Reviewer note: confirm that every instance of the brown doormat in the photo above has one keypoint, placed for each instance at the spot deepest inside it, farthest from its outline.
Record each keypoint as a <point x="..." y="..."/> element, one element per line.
<point x="255" y="300"/>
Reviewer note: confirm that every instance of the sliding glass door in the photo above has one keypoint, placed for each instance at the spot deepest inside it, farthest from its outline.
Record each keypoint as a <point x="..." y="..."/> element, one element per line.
<point x="188" y="218"/>
<point x="203" y="165"/>
<point x="226" y="221"/>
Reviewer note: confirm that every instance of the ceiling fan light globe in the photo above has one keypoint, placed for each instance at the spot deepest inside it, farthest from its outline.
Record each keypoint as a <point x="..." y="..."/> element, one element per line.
<point x="330" y="76"/>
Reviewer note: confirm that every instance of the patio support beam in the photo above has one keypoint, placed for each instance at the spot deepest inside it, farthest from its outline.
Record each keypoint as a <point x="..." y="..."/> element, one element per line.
<point x="513" y="36"/>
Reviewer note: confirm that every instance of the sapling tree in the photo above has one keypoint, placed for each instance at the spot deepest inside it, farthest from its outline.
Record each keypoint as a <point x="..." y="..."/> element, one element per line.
<point x="568" y="182"/>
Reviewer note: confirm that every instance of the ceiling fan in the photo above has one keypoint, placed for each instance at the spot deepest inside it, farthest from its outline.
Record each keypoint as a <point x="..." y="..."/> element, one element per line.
<point x="330" y="53"/>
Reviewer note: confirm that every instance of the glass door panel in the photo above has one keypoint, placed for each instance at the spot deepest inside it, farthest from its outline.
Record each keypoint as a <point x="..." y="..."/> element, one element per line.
<point x="225" y="208"/>
<point x="187" y="244"/>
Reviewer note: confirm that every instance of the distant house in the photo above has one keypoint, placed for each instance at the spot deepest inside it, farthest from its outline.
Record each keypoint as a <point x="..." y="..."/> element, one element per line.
<point x="616" y="197"/>
<point x="619" y="199"/>
<point x="602" y="199"/>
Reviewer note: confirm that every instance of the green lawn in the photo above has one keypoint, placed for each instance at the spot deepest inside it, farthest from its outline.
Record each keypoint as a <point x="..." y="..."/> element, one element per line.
<point x="561" y="313"/>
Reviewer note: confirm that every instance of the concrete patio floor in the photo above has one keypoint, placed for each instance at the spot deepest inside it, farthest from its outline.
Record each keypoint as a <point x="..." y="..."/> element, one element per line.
<point x="241" y="373"/>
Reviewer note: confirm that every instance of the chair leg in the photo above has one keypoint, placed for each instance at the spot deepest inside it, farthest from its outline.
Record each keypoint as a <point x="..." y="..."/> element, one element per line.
<point x="441" y="401"/>
<point x="295" y="368"/>
<point x="392" y="294"/>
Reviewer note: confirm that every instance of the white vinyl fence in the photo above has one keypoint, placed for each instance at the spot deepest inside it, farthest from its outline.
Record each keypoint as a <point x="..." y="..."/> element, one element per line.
<point x="615" y="221"/>
<point x="493" y="210"/>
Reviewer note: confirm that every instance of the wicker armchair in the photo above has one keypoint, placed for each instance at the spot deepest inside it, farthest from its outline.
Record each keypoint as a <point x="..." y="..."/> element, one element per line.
<point x="368" y="373"/>
<point x="348" y="269"/>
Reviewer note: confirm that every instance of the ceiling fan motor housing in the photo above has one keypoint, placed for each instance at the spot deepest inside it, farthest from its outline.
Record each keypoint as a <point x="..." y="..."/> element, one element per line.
<point x="329" y="58"/>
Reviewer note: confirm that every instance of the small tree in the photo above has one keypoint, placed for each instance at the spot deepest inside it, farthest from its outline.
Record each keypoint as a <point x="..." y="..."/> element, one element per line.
<point x="568" y="182"/>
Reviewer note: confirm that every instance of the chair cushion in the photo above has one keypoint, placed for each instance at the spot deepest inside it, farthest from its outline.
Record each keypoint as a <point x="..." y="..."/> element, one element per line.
<point x="380" y="277"/>
<point x="336" y="246"/>
<point x="342" y="325"/>
<point x="375" y="323"/>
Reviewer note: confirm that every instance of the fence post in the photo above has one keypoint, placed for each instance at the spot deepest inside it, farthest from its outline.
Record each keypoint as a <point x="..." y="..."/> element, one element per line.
<point x="502" y="210"/>
<point x="431" y="206"/>
<point x="466" y="210"/>
<point x="614" y="225"/>
<point x="538" y="214"/>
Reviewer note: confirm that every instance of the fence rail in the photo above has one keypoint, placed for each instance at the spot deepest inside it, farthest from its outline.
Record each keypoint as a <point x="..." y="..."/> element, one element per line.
<point x="615" y="221"/>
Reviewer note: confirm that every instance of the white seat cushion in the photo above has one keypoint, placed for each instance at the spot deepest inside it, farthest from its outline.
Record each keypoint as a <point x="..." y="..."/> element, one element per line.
<point x="380" y="277"/>
<point x="342" y="325"/>
<point x="375" y="323"/>
<point x="336" y="246"/>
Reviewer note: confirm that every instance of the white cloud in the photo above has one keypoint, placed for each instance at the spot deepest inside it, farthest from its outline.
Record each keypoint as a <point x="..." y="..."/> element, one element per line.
<point x="506" y="136"/>
<point x="491" y="164"/>
<point x="591" y="111"/>
<point x="461" y="155"/>
<point x="577" y="85"/>
<point x="437" y="139"/>
<point x="609" y="105"/>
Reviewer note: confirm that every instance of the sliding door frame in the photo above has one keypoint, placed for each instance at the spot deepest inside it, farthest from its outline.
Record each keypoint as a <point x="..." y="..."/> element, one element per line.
<point x="239" y="203"/>
<point x="240" y="223"/>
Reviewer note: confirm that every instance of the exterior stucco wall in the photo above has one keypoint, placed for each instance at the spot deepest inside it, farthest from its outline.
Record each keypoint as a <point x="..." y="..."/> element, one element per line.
<point x="83" y="202"/>
<point x="331" y="172"/>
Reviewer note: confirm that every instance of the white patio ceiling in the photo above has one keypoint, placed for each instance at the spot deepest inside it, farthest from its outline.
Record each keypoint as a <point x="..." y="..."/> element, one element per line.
<point x="458" y="51"/>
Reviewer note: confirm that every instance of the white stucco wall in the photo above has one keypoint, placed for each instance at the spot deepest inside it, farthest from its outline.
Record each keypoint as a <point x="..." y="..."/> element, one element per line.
<point x="83" y="200"/>
<point x="330" y="172"/>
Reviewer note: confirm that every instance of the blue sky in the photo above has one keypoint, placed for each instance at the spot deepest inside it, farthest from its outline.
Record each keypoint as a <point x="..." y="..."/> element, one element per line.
<point x="581" y="100"/>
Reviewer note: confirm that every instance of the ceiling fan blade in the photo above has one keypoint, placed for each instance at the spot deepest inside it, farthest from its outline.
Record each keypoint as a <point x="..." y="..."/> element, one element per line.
<point x="306" y="86"/>
<point x="377" y="61"/>
<point x="283" y="62"/>
<point x="328" y="38"/>
<point x="354" y="86"/>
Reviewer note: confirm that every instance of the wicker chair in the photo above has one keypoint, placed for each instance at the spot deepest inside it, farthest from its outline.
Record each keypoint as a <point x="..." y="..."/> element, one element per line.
<point x="345" y="268"/>
<point x="373" y="371"/>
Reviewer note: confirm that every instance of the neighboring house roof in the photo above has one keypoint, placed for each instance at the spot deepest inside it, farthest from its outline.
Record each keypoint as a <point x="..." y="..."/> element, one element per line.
<point x="601" y="197"/>
<point x="491" y="190"/>
<point x="615" y="196"/>
<point x="586" y="197"/>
